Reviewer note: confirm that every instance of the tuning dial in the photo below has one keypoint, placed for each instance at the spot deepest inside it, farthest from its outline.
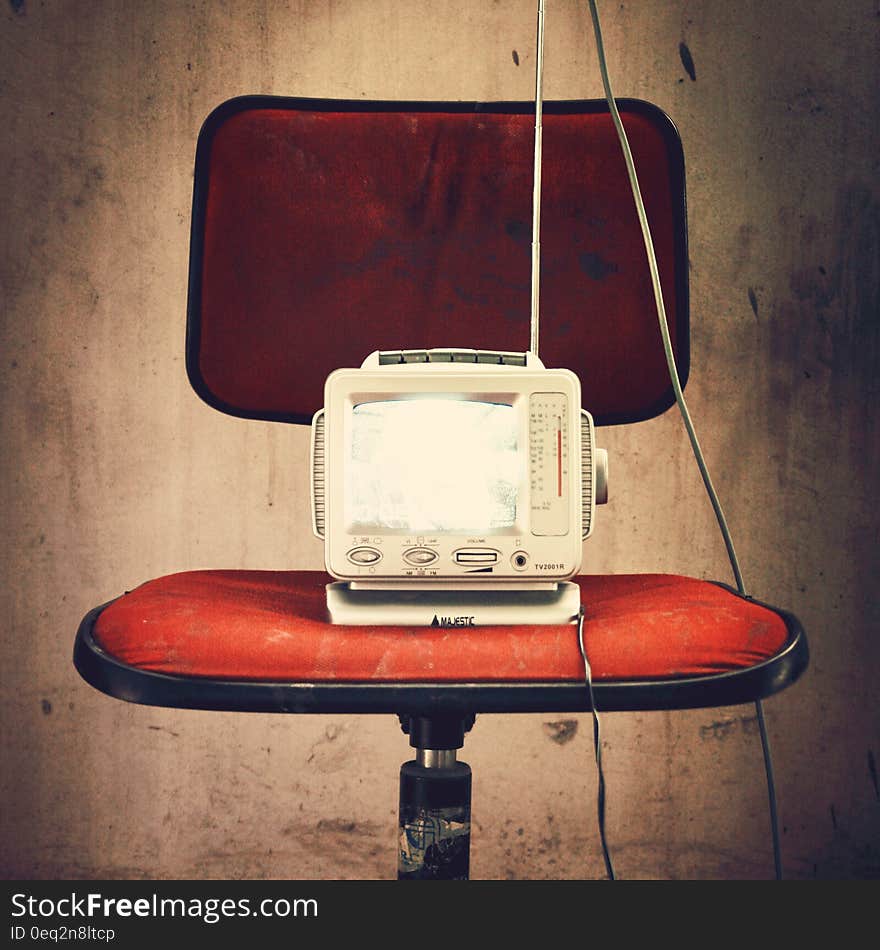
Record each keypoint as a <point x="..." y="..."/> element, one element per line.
<point x="601" y="476"/>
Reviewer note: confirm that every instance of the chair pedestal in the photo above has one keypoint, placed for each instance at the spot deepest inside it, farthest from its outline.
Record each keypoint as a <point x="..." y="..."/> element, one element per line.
<point x="434" y="817"/>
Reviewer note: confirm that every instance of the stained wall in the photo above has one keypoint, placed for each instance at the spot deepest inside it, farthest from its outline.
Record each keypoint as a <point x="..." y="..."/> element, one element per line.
<point x="113" y="471"/>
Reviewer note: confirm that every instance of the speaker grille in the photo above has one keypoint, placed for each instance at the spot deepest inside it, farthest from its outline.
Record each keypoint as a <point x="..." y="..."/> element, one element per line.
<point x="586" y="473"/>
<point x="318" y="475"/>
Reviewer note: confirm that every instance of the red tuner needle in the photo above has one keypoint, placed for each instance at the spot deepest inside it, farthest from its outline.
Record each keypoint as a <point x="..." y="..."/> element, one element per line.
<point x="559" y="457"/>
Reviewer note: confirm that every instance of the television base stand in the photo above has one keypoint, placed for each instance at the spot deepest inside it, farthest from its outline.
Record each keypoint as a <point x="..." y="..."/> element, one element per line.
<point x="442" y="607"/>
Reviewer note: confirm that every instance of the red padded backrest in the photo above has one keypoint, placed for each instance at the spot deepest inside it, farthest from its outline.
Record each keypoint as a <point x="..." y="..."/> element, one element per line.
<point x="324" y="230"/>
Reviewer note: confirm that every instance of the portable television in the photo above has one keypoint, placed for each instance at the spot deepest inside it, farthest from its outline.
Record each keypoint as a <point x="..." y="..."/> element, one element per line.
<point x="453" y="487"/>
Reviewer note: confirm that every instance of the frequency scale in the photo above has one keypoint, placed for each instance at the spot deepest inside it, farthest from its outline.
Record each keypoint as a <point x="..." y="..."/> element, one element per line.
<point x="548" y="463"/>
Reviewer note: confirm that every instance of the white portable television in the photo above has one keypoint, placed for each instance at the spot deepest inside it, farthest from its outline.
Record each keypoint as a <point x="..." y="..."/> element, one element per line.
<point x="453" y="488"/>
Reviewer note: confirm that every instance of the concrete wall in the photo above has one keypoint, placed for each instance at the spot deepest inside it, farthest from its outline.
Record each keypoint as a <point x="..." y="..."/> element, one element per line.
<point x="114" y="472"/>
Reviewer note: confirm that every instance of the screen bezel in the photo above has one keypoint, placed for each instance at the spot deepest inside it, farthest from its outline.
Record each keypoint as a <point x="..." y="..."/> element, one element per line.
<point x="551" y="558"/>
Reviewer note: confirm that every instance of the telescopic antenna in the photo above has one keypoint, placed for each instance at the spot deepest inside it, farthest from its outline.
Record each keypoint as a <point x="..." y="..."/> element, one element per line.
<point x="536" y="195"/>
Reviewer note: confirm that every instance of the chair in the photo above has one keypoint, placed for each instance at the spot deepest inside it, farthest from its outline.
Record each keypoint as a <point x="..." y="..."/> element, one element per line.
<point x="324" y="230"/>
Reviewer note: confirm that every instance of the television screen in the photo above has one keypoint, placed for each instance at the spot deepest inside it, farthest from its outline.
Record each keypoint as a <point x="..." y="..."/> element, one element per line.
<point x="431" y="464"/>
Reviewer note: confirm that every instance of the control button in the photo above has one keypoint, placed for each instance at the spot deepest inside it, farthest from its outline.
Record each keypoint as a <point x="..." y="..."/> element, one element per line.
<point x="419" y="557"/>
<point x="364" y="555"/>
<point x="476" y="556"/>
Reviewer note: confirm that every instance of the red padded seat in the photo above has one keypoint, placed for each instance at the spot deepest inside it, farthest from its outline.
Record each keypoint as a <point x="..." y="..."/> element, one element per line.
<point x="271" y="626"/>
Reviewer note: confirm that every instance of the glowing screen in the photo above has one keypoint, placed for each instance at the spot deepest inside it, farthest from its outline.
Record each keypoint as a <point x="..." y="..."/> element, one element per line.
<point x="430" y="464"/>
